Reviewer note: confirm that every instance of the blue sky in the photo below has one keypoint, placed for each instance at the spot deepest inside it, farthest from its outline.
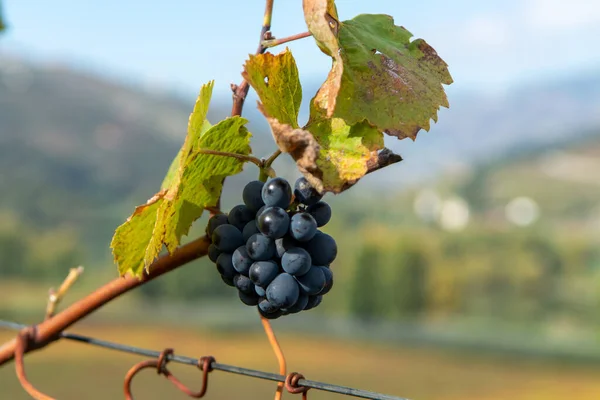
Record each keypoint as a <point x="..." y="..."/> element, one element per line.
<point x="490" y="45"/>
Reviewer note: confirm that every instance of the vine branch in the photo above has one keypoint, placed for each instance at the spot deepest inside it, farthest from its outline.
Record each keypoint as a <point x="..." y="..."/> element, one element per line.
<point x="49" y="330"/>
<point x="241" y="91"/>
<point x="277" y="42"/>
<point x="54" y="297"/>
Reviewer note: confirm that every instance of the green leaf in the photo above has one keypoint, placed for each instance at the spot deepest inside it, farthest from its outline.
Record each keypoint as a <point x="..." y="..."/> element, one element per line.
<point x="194" y="182"/>
<point x="383" y="77"/>
<point x="275" y="79"/>
<point x="131" y="239"/>
<point x="201" y="182"/>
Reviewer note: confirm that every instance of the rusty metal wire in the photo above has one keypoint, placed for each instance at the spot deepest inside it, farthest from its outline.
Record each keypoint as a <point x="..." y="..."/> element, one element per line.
<point x="294" y="382"/>
<point x="160" y="364"/>
<point x="23" y="339"/>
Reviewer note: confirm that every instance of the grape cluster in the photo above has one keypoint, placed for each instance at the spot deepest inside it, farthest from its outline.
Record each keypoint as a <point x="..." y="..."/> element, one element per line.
<point x="270" y="247"/>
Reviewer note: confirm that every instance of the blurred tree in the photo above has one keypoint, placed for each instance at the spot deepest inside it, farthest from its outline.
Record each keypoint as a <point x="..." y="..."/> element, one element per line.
<point x="365" y="293"/>
<point x="409" y="285"/>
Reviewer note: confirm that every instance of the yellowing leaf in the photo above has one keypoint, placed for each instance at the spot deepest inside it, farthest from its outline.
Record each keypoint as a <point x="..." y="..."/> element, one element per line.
<point x="322" y="20"/>
<point x="345" y="152"/>
<point x="275" y="79"/>
<point x="200" y="183"/>
<point x="379" y="75"/>
<point x="330" y="153"/>
<point x="193" y="182"/>
<point x="131" y="239"/>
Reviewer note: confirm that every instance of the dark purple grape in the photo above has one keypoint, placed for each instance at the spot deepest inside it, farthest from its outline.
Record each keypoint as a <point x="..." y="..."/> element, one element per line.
<point x="313" y="301"/>
<point x="296" y="261"/>
<point x="266" y="307"/>
<point x="252" y="195"/>
<point x="241" y="260"/>
<point x="303" y="227"/>
<point x="244" y="284"/>
<point x="321" y="212"/>
<point x="328" y="280"/>
<point x="228" y="281"/>
<point x="260" y="247"/>
<point x="322" y="249"/>
<point x="299" y="305"/>
<point x="277" y="193"/>
<point x="263" y="272"/>
<point x="260" y="291"/>
<point x="312" y="282"/>
<point x="214" y="221"/>
<point x="213" y="253"/>
<point x="249" y="299"/>
<point x="249" y="229"/>
<point x="273" y="222"/>
<point x="227" y="238"/>
<point x="283" y="291"/>
<point x="305" y="193"/>
<point x="285" y="243"/>
<point x="240" y="215"/>
<point x="225" y="266"/>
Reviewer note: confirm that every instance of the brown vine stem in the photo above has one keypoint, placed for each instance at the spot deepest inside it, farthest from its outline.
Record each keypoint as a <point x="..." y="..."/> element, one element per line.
<point x="241" y="91"/>
<point x="48" y="330"/>
<point x="278" y="353"/>
<point x="277" y="42"/>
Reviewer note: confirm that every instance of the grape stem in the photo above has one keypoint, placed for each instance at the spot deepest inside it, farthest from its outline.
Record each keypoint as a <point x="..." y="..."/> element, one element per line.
<point x="278" y="353"/>
<point x="276" y="42"/>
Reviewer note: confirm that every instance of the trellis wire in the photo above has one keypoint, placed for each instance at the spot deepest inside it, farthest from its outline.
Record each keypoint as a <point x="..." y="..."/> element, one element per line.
<point x="215" y="365"/>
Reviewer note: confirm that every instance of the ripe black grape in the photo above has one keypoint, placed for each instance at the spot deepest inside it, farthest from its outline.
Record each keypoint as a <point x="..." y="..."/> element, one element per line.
<point x="299" y="305"/>
<point x="273" y="222"/>
<point x="305" y="193"/>
<point x="215" y="221"/>
<point x="260" y="291"/>
<point x="249" y="229"/>
<point x="313" y="301"/>
<point x="263" y="272"/>
<point x="225" y="266"/>
<point x="227" y="238"/>
<point x="328" y="280"/>
<point x="249" y="299"/>
<point x="321" y="212"/>
<point x="213" y="253"/>
<point x="272" y="251"/>
<point x="241" y="260"/>
<point x="244" y="284"/>
<point x="239" y="216"/>
<point x="322" y="249"/>
<point x="312" y="282"/>
<point x="252" y="195"/>
<point x="277" y="193"/>
<point x="283" y="291"/>
<point x="260" y="247"/>
<point x="303" y="227"/>
<point x="296" y="261"/>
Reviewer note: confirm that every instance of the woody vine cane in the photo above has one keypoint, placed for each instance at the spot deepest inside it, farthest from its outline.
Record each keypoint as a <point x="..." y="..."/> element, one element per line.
<point x="381" y="82"/>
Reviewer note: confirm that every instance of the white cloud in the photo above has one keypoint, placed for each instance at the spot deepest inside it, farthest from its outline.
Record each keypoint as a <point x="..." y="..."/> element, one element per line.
<point x="562" y="14"/>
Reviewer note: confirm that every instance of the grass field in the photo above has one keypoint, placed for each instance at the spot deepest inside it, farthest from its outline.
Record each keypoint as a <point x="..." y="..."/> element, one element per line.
<point x="76" y="371"/>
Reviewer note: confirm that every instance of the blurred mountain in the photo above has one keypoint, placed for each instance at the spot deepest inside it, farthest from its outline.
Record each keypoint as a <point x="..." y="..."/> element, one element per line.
<point x="81" y="151"/>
